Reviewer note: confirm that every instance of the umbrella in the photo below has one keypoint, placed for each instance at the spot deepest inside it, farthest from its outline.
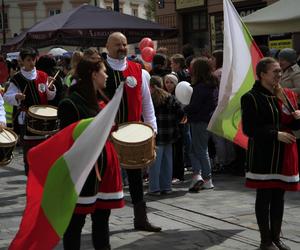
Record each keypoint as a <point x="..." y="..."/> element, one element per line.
<point x="85" y="26"/>
<point x="57" y="52"/>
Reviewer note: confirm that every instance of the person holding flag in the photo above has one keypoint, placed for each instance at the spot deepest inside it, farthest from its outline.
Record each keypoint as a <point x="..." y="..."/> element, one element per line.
<point x="102" y="190"/>
<point x="269" y="114"/>
<point x="268" y="129"/>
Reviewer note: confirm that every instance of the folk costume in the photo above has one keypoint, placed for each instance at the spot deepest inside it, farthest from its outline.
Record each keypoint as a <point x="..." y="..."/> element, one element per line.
<point x="34" y="85"/>
<point x="272" y="166"/>
<point x="136" y="104"/>
<point x="102" y="190"/>
<point x="270" y="163"/>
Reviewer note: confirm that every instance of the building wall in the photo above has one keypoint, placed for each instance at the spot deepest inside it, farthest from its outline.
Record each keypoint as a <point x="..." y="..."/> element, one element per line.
<point x="201" y="38"/>
<point x="22" y="14"/>
<point x="168" y="17"/>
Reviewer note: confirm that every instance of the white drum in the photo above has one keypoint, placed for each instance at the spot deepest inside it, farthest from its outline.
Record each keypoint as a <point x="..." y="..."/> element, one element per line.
<point x="42" y="119"/>
<point x="135" y="145"/>
<point x="8" y="141"/>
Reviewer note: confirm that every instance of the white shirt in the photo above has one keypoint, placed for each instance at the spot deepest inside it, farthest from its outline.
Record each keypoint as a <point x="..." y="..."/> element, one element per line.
<point x="2" y="111"/>
<point x="147" y="105"/>
<point x="12" y="90"/>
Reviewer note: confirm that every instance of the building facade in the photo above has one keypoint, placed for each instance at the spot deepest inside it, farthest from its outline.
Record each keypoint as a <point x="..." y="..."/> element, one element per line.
<point x="20" y="15"/>
<point x="200" y="22"/>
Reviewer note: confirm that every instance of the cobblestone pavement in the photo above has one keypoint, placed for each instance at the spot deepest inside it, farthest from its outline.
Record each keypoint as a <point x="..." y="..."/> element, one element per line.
<point x="217" y="219"/>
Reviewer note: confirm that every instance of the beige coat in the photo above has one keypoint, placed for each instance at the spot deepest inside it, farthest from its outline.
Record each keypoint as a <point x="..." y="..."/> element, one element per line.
<point x="291" y="78"/>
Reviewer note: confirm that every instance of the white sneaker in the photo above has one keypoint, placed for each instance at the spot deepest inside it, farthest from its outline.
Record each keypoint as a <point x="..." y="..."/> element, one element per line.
<point x="208" y="184"/>
<point x="196" y="183"/>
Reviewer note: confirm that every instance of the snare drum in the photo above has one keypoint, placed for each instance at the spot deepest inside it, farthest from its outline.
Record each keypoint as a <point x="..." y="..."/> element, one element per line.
<point x="135" y="145"/>
<point x="8" y="141"/>
<point x="42" y="120"/>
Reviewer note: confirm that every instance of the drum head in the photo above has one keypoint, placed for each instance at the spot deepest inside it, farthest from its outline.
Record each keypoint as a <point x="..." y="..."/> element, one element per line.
<point x="43" y="111"/>
<point x="133" y="133"/>
<point x="7" y="137"/>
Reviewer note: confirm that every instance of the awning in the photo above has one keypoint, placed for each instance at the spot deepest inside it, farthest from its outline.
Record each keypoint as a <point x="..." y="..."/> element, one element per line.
<point x="280" y="17"/>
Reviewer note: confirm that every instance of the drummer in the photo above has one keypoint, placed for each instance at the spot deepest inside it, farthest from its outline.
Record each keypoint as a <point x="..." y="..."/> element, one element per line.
<point x="26" y="88"/>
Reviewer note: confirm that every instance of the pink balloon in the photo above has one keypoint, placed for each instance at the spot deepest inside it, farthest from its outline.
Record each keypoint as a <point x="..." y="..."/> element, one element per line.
<point x="147" y="54"/>
<point x="146" y="42"/>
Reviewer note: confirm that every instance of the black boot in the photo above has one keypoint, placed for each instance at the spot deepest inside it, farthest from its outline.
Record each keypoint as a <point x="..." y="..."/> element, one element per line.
<point x="276" y="216"/>
<point x="266" y="240"/>
<point x="104" y="248"/>
<point x="100" y="229"/>
<point x="140" y="218"/>
<point x="276" y="229"/>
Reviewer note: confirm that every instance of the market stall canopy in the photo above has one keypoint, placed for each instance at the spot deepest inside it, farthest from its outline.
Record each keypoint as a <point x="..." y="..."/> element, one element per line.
<point x="280" y="17"/>
<point x="86" y="26"/>
<point x="57" y="52"/>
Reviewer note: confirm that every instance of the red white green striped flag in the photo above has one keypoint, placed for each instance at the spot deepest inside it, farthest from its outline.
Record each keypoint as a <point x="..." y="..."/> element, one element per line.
<point x="58" y="170"/>
<point x="241" y="55"/>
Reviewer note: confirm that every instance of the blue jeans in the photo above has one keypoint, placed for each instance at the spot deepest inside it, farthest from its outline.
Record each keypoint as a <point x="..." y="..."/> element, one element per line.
<point x="187" y="140"/>
<point x="160" y="173"/>
<point x="199" y="151"/>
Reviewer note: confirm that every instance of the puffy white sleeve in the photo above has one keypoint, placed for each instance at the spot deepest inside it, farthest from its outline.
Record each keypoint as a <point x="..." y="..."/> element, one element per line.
<point x="10" y="94"/>
<point x="147" y="105"/>
<point x="2" y="111"/>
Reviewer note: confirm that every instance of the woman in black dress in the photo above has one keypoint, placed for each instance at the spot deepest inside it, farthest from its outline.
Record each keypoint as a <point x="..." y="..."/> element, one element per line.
<point x="102" y="190"/>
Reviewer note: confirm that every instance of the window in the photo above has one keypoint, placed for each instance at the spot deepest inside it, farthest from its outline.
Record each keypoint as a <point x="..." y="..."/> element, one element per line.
<point x="135" y="12"/>
<point x="161" y="4"/>
<point x="134" y="9"/>
<point x="5" y="21"/>
<point x="54" y="12"/>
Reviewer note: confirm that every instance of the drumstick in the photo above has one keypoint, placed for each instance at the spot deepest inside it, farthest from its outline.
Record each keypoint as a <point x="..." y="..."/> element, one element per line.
<point x="25" y="89"/>
<point x="3" y="130"/>
<point x="50" y="84"/>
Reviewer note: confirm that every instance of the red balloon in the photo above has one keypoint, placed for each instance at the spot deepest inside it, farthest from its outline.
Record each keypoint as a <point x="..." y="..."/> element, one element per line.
<point x="146" y="42"/>
<point x="147" y="54"/>
<point x="3" y="72"/>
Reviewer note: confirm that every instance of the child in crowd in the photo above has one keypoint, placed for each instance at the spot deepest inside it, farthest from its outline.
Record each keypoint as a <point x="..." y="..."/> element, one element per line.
<point x="168" y="113"/>
<point x="170" y="82"/>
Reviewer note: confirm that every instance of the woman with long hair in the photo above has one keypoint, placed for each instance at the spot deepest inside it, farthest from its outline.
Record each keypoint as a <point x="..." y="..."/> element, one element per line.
<point x="269" y="114"/>
<point x="75" y="59"/>
<point x="199" y="111"/>
<point x="102" y="190"/>
<point x="168" y="114"/>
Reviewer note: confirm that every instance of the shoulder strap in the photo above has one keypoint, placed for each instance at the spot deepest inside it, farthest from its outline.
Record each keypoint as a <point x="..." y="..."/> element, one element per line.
<point x="75" y="107"/>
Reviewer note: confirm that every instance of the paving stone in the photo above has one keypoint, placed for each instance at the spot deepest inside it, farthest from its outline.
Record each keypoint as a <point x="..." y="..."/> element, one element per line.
<point x="217" y="219"/>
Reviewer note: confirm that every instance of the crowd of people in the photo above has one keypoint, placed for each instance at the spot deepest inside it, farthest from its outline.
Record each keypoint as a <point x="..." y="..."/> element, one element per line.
<point x="81" y="84"/>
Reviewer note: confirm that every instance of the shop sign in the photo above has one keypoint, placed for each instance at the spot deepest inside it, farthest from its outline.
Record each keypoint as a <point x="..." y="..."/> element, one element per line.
<point x="184" y="4"/>
<point x="280" y="44"/>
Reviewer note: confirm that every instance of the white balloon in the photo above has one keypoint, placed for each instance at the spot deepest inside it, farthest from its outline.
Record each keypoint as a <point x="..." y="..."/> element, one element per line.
<point x="57" y="52"/>
<point x="183" y="92"/>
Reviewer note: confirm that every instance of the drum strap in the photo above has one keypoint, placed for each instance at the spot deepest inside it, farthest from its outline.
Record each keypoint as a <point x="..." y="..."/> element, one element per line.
<point x="75" y="107"/>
